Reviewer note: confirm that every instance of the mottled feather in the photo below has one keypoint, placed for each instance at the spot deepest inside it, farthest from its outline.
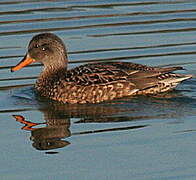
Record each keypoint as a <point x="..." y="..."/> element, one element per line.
<point x="97" y="82"/>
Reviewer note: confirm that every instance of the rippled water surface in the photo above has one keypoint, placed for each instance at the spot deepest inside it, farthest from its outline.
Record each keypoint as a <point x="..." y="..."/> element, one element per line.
<point x="140" y="138"/>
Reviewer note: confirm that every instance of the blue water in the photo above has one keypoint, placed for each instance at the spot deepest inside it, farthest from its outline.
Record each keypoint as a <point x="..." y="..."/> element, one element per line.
<point x="139" y="138"/>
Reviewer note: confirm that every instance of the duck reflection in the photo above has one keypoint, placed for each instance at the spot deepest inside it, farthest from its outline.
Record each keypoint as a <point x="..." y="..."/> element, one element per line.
<point x="51" y="133"/>
<point x="58" y="117"/>
<point x="48" y="137"/>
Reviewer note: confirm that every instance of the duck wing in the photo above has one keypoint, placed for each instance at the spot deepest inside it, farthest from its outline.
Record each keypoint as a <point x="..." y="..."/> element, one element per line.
<point x="105" y="72"/>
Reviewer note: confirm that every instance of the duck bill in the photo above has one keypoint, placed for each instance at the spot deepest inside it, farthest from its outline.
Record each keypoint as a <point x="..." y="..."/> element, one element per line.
<point x="24" y="62"/>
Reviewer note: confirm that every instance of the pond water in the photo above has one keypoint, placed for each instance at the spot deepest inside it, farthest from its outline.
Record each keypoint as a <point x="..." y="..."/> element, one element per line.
<point x="140" y="138"/>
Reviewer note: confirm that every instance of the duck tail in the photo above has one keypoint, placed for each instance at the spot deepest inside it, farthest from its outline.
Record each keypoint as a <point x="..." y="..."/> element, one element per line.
<point x="170" y="69"/>
<point x="183" y="77"/>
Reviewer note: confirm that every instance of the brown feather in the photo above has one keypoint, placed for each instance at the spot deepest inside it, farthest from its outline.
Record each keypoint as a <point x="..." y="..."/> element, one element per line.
<point x="97" y="82"/>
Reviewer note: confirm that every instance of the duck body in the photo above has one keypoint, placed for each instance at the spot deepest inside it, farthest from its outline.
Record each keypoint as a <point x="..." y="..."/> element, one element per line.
<point x="94" y="82"/>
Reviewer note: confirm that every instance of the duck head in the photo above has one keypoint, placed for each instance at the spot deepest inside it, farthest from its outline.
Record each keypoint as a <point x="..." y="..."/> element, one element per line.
<point x="46" y="48"/>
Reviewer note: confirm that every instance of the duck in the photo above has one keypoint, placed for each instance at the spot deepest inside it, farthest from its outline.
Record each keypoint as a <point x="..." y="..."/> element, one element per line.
<point x="93" y="82"/>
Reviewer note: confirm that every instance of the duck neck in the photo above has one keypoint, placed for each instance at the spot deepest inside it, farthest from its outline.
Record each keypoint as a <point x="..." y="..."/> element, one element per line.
<point x="48" y="77"/>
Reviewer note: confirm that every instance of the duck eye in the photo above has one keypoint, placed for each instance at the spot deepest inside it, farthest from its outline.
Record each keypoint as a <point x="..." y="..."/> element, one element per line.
<point x="36" y="46"/>
<point x="44" y="47"/>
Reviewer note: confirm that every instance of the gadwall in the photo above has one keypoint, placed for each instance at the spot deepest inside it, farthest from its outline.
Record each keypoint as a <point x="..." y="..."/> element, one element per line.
<point x="93" y="82"/>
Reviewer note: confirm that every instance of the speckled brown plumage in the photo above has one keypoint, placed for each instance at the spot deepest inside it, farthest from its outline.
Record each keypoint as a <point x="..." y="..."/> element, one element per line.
<point x="95" y="82"/>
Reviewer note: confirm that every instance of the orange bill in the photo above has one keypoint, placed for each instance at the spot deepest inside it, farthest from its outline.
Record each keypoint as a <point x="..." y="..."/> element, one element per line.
<point x="25" y="61"/>
<point x="28" y="125"/>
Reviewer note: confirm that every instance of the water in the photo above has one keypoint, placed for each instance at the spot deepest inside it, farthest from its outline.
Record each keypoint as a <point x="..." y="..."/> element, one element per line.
<point x="130" y="138"/>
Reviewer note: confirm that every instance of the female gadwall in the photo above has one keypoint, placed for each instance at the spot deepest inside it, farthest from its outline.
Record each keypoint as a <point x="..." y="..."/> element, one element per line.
<point x="94" y="82"/>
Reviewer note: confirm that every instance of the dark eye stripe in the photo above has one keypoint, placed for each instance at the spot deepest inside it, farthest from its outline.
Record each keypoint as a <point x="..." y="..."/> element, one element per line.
<point x="45" y="44"/>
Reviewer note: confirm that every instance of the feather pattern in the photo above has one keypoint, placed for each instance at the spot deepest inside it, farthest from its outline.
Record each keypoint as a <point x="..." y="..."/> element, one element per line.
<point x="97" y="82"/>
